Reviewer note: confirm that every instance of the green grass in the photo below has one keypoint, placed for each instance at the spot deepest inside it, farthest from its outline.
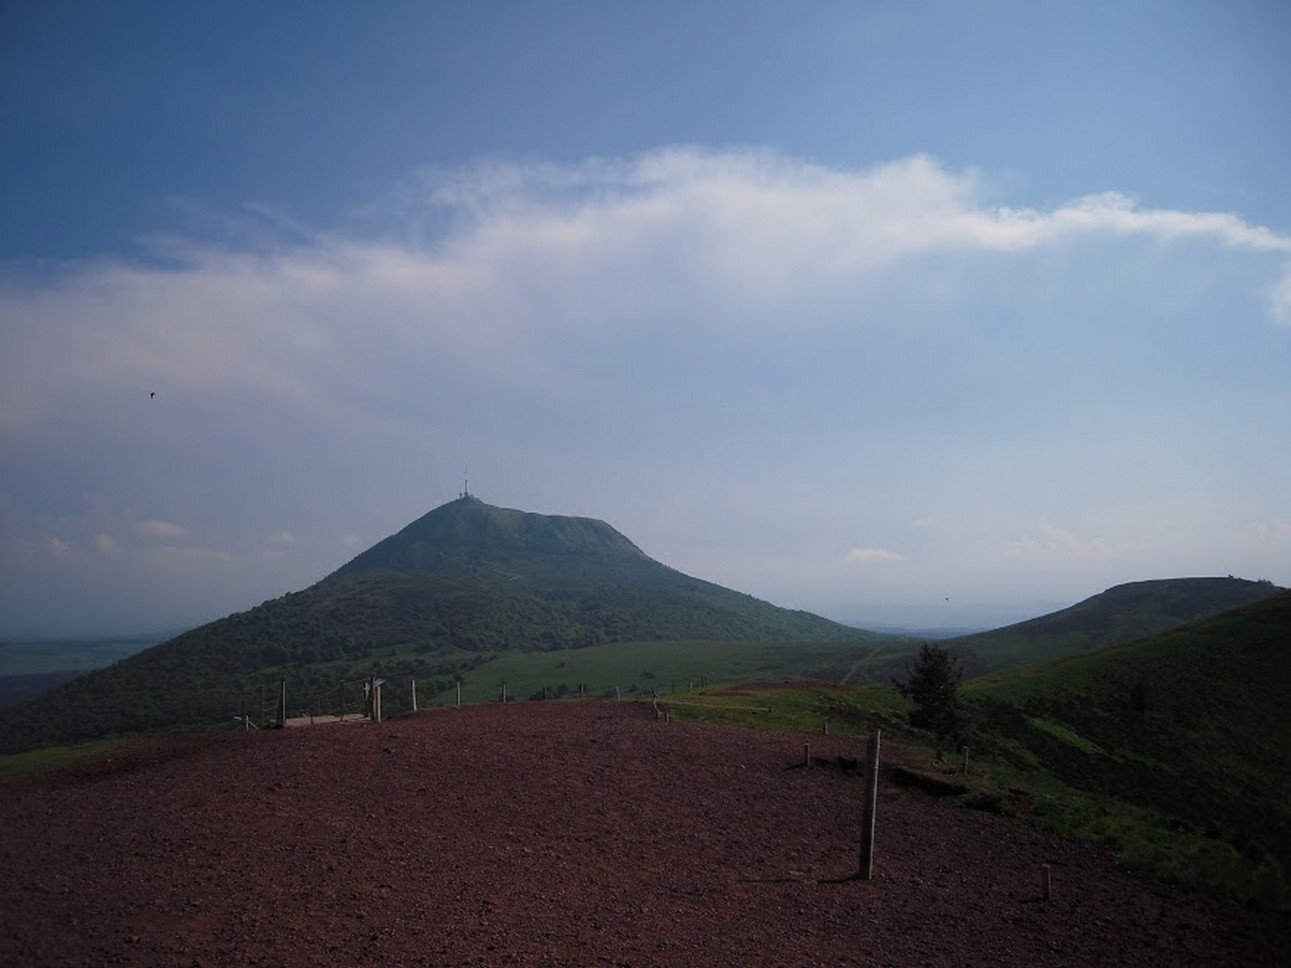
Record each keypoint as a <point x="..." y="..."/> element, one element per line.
<point x="17" y="765"/>
<point x="799" y="708"/>
<point x="642" y="668"/>
<point x="1063" y="734"/>
<point x="1171" y="749"/>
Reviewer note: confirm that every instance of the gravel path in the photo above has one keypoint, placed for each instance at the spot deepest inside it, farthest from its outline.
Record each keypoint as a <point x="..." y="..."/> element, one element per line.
<point x="561" y="833"/>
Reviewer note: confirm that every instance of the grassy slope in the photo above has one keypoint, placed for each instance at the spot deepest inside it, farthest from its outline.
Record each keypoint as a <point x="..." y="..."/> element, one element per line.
<point x="640" y="667"/>
<point x="1118" y="615"/>
<point x="1191" y="725"/>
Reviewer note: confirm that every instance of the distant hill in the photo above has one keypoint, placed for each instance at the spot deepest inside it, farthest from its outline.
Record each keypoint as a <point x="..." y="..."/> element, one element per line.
<point x="437" y="599"/>
<point x="1120" y="614"/>
<point x="1194" y="723"/>
<point x="31" y="668"/>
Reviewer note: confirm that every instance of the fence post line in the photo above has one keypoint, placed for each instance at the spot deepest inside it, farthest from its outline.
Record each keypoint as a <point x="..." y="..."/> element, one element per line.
<point x="870" y="802"/>
<point x="414" y="695"/>
<point x="459" y="692"/>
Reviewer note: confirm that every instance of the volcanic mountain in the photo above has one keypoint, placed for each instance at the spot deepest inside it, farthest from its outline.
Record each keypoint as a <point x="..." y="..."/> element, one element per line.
<point x="464" y="581"/>
<point x="500" y="578"/>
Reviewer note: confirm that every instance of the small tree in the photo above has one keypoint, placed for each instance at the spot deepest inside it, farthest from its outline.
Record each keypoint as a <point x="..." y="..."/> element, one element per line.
<point x="932" y="684"/>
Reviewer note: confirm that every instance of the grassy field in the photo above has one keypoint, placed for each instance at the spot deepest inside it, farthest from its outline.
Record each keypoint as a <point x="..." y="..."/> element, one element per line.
<point x="16" y="765"/>
<point x="636" y="669"/>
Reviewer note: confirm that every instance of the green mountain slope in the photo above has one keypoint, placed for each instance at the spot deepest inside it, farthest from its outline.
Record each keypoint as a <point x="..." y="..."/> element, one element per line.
<point x="1192" y="724"/>
<point x="464" y="580"/>
<point x="1120" y="614"/>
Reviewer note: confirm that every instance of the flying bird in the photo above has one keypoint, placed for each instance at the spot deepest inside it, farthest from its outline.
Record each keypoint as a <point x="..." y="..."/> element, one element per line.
<point x="152" y="394"/>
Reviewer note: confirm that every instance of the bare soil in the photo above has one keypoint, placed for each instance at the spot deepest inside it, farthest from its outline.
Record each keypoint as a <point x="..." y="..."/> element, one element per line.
<point x="560" y="833"/>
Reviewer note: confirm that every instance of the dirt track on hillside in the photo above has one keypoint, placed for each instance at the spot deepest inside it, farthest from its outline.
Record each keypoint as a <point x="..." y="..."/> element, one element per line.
<point x="563" y="833"/>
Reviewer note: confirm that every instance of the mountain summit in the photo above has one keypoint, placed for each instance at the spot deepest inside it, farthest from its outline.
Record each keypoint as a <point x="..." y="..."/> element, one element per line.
<point x="467" y="535"/>
<point x="567" y="582"/>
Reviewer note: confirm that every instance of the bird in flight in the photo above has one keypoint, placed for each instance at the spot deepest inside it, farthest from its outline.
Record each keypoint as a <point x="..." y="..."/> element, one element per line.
<point x="152" y="394"/>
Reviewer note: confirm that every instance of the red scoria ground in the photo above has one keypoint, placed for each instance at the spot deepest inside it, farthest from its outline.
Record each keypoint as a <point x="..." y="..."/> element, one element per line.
<point x="561" y="833"/>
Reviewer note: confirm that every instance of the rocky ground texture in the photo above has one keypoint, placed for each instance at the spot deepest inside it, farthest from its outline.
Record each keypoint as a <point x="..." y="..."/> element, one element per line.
<point x="560" y="833"/>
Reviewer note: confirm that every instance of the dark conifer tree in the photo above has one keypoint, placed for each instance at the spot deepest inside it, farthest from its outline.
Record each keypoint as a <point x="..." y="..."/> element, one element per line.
<point x="932" y="684"/>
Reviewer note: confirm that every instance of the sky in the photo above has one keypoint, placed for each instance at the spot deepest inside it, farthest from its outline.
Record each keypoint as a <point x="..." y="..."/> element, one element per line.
<point x="905" y="312"/>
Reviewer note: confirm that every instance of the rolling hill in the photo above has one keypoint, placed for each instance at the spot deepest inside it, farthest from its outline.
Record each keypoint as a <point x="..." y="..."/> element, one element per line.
<point x="443" y="595"/>
<point x="1120" y="614"/>
<point x="1192" y="724"/>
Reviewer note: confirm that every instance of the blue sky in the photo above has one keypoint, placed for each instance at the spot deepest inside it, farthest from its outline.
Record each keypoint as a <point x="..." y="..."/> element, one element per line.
<point x="918" y="312"/>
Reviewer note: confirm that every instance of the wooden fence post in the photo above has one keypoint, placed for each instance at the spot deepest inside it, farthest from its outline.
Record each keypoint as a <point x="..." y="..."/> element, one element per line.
<point x="282" y="703"/>
<point x="414" y="695"/>
<point x="459" y="692"/>
<point x="871" y="795"/>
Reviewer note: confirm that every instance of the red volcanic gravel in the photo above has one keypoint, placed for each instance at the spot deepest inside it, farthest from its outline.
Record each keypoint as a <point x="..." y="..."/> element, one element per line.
<point x="560" y="833"/>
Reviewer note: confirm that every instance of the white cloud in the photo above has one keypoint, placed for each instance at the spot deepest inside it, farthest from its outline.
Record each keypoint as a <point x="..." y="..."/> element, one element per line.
<point x="1047" y="540"/>
<point x="105" y="544"/>
<point x="281" y="538"/>
<point x="873" y="555"/>
<point x="539" y="262"/>
<point x="153" y="528"/>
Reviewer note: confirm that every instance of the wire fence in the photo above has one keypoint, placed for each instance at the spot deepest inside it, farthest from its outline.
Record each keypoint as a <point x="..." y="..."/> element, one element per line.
<point x="280" y="702"/>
